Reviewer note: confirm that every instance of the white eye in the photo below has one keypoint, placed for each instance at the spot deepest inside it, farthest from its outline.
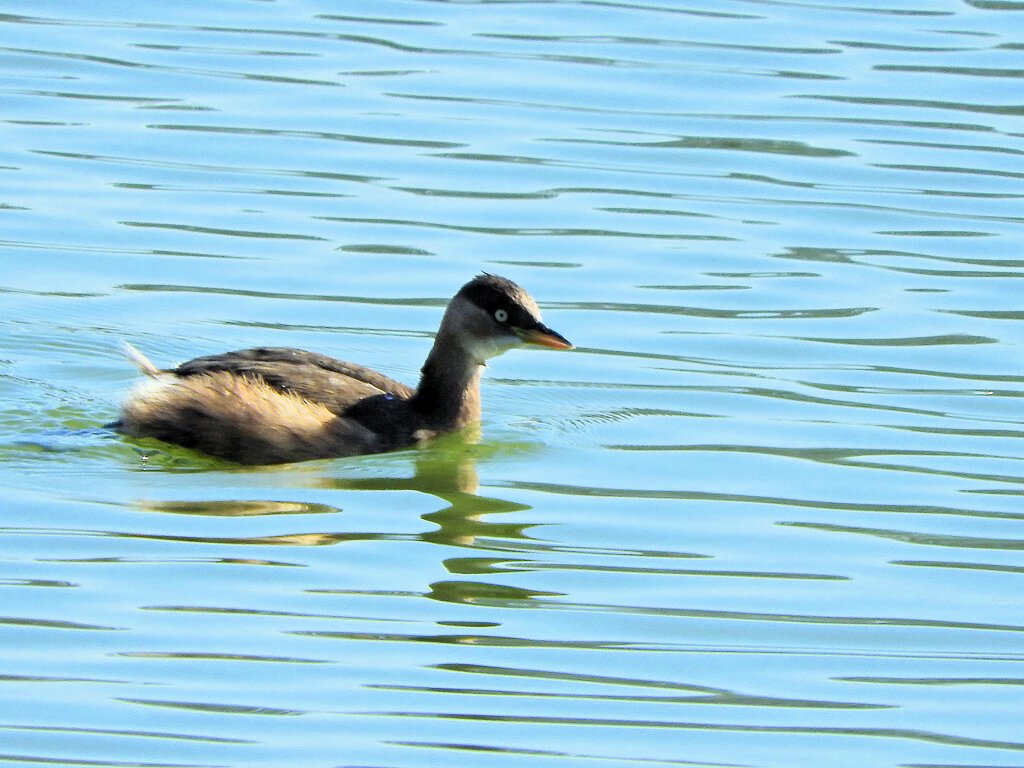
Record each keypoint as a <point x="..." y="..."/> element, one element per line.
<point x="500" y="315"/>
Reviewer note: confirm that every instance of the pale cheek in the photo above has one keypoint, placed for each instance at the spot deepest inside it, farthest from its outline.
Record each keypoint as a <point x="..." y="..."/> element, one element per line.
<point x="484" y="350"/>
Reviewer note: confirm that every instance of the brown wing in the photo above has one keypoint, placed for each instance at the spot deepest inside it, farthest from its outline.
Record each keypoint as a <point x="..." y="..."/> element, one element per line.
<point x="334" y="383"/>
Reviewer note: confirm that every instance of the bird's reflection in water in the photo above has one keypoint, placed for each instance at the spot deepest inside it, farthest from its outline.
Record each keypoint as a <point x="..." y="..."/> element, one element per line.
<point x="445" y="470"/>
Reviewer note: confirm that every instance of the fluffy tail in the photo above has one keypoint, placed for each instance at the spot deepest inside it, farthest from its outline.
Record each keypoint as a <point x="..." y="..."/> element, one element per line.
<point x="140" y="360"/>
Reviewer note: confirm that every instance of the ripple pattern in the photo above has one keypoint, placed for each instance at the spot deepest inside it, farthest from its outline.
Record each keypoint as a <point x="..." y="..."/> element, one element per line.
<point x="767" y="513"/>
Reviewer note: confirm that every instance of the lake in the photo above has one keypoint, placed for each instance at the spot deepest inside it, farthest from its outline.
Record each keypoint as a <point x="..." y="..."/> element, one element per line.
<point x="767" y="513"/>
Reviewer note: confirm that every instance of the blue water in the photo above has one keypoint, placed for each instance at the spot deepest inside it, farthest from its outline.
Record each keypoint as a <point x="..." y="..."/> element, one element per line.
<point x="768" y="513"/>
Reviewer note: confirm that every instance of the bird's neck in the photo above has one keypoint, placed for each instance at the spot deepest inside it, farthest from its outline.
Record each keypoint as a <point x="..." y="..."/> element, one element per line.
<point x="448" y="396"/>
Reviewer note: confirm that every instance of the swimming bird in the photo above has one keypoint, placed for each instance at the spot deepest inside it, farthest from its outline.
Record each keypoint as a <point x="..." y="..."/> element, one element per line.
<point x="273" y="405"/>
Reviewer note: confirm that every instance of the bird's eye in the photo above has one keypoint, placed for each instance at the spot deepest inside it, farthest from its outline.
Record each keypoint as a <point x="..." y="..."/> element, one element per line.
<point x="500" y="315"/>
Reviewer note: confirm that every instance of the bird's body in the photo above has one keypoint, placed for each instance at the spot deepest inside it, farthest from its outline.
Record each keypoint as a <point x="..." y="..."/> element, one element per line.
<point x="272" y="405"/>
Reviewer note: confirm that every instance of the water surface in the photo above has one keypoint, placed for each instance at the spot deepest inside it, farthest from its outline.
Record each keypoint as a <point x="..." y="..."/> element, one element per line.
<point x="768" y="513"/>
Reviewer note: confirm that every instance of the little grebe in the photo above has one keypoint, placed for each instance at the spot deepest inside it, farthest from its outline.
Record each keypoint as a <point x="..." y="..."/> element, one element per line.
<point x="277" y="405"/>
